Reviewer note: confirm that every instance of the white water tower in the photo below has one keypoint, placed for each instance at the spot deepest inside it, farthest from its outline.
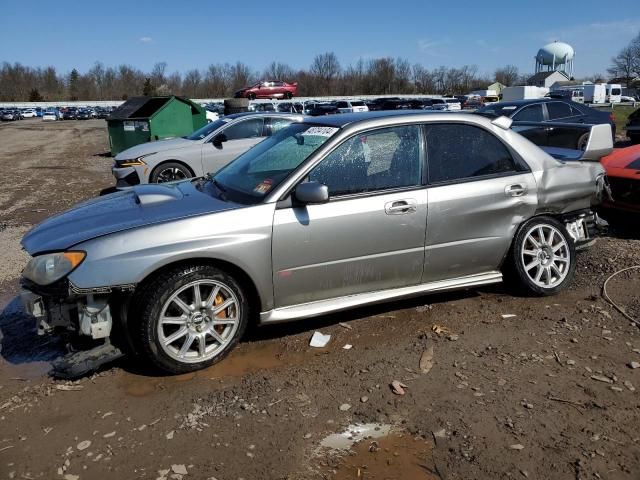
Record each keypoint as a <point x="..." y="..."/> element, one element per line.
<point x="556" y="56"/>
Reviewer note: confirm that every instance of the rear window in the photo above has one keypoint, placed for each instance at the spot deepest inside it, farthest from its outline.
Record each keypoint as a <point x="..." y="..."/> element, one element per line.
<point x="342" y="105"/>
<point x="453" y="100"/>
<point x="616" y="91"/>
<point x="357" y="104"/>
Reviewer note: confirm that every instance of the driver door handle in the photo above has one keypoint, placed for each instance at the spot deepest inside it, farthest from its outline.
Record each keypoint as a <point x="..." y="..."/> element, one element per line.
<point x="515" y="190"/>
<point x="400" y="207"/>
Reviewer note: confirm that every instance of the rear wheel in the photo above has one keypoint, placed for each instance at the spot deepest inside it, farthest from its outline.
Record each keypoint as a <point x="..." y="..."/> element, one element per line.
<point x="251" y="96"/>
<point x="635" y="139"/>
<point x="288" y="95"/>
<point x="583" y="141"/>
<point x="543" y="256"/>
<point x="191" y="317"/>
<point x="170" y="172"/>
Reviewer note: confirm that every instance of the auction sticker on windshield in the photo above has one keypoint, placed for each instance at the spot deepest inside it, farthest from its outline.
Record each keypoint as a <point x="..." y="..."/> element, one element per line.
<point x="264" y="186"/>
<point x="320" y="131"/>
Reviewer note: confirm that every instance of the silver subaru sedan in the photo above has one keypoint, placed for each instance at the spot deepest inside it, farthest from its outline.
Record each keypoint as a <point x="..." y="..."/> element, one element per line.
<point x="327" y="214"/>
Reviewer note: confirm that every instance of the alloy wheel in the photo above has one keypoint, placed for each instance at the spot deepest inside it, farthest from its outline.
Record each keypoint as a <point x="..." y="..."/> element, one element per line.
<point x="198" y="321"/>
<point x="171" y="174"/>
<point x="545" y="256"/>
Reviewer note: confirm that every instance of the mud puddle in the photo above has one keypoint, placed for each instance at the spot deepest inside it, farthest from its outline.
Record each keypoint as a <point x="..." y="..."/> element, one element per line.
<point x="245" y="359"/>
<point x="377" y="452"/>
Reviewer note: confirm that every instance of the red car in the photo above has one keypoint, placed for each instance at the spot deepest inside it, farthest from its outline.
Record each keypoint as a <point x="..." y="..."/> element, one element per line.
<point x="623" y="170"/>
<point x="269" y="89"/>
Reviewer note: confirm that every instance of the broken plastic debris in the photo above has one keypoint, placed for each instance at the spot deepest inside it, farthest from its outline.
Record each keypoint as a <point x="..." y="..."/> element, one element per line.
<point x="345" y="325"/>
<point x="398" y="387"/>
<point x="426" y="360"/>
<point x="440" y="330"/>
<point x="348" y="346"/>
<point x="508" y="315"/>
<point x="319" y="340"/>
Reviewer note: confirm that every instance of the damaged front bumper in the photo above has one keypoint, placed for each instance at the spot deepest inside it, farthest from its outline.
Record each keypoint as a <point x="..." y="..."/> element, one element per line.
<point x="54" y="309"/>
<point x="85" y="317"/>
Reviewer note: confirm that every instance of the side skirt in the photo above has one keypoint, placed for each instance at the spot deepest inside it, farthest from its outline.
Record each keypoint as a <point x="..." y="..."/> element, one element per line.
<point x="321" y="307"/>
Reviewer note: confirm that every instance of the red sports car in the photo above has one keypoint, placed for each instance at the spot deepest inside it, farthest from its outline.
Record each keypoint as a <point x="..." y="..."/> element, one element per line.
<point x="623" y="170"/>
<point x="269" y="89"/>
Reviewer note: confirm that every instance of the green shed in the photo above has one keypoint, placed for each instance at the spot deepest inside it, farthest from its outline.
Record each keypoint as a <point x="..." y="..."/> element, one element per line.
<point x="145" y="119"/>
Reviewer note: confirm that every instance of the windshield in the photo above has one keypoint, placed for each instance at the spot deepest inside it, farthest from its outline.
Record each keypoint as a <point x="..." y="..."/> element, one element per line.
<point x="497" y="110"/>
<point x="250" y="177"/>
<point x="206" y="130"/>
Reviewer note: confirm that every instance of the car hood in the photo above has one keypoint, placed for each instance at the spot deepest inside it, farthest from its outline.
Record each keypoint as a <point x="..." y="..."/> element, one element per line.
<point x="142" y="205"/>
<point x="153" y="147"/>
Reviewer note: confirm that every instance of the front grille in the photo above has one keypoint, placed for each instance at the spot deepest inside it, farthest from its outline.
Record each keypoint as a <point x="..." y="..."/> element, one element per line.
<point x="625" y="190"/>
<point x="129" y="181"/>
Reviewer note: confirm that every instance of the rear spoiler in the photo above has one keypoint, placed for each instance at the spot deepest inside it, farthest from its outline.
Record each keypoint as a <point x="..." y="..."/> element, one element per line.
<point x="599" y="144"/>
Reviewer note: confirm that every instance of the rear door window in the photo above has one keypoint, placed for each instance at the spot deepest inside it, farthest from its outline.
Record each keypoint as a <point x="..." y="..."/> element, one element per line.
<point x="558" y="110"/>
<point x="276" y="124"/>
<point x="251" y="128"/>
<point x="464" y="152"/>
<point x="532" y="113"/>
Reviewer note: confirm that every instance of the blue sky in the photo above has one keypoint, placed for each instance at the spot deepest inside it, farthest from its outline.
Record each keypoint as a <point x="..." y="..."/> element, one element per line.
<point x="68" y="34"/>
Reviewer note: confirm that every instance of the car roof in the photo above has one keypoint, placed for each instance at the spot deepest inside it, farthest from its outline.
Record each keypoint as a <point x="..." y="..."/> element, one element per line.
<point x="349" y="118"/>
<point x="530" y="101"/>
<point x="261" y="114"/>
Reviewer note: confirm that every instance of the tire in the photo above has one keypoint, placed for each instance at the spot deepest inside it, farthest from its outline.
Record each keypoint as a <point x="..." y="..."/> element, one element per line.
<point x="169" y="172"/>
<point x="635" y="139"/>
<point x="174" y="346"/>
<point x="251" y="96"/>
<point x="582" y="142"/>
<point x="539" y="270"/>
<point x="288" y="95"/>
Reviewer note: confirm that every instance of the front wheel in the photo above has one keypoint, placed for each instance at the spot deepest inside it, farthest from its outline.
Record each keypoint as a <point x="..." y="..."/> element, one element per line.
<point x="170" y="172"/>
<point x="191" y="317"/>
<point x="543" y="256"/>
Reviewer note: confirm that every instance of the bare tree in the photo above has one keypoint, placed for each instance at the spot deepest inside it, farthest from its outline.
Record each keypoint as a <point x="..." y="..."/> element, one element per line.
<point x="507" y="75"/>
<point x="192" y="83"/>
<point x="326" y="68"/>
<point x="278" y="71"/>
<point x="625" y="65"/>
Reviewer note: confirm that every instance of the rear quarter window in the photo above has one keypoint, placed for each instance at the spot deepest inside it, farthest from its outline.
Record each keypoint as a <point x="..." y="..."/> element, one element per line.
<point x="464" y="152"/>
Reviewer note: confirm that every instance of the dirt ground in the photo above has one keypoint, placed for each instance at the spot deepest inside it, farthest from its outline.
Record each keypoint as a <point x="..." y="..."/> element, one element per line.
<point x="539" y="388"/>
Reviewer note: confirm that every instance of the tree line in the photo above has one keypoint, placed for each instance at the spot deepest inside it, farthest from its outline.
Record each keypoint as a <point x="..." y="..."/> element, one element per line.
<point x="325" y="76"/>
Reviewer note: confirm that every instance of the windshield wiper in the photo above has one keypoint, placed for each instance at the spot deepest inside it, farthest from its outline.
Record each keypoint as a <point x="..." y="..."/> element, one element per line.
<point x="219" y="186"/>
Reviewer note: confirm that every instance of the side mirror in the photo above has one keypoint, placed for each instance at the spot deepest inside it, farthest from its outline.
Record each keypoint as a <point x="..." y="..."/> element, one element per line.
<point x="311" y="192"/>
<point x="219" y="139"/>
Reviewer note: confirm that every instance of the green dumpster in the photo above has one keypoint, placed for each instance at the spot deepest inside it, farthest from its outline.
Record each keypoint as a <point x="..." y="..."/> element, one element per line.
<point x="145" y="119"/>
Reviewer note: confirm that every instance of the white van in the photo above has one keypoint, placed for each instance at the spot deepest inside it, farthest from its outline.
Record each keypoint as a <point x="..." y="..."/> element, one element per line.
<point x="614" y="93"/>
<point x="595" y="94"/>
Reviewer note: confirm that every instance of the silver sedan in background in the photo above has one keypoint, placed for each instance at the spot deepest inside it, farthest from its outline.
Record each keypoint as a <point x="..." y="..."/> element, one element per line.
<point x="204" y="151"/>
<point x="328" y="214"/>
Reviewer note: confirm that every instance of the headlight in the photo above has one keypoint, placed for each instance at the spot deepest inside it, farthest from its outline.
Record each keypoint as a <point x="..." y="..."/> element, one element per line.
<point x="48" y="268"/>
<point x="134" y="161"/>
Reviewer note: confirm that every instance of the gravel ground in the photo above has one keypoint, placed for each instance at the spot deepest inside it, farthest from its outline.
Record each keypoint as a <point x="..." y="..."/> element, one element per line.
<point x="518" y="387"/>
